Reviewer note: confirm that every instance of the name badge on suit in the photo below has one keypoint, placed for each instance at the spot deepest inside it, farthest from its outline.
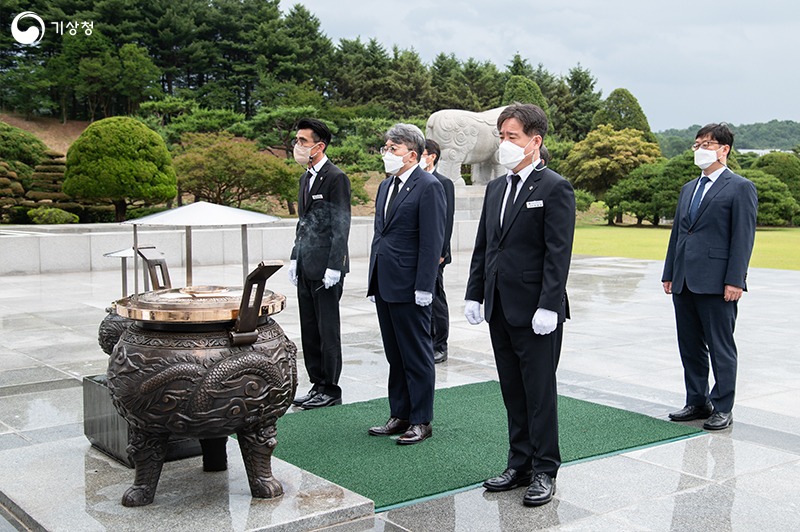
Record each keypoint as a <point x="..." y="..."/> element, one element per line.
<point x="534" y="204"/>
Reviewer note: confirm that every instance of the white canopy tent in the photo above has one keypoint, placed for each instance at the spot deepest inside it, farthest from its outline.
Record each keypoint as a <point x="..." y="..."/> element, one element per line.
<point x="199" y="214"/>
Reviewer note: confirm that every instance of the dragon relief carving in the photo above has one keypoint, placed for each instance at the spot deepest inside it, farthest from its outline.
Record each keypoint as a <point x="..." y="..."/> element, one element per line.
<point x="198" y="385"/>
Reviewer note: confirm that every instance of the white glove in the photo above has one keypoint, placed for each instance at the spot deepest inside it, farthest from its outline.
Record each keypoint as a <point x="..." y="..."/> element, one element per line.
<point x="423" y="299"/>
<point x="331" y="277"/>
<point x="293" y="272"/>
<point x="472" y="310"/>
<point x="544" y="321"/>
<point x="371" y="298"/>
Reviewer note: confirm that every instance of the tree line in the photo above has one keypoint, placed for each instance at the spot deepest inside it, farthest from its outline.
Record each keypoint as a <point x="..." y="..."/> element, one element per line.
<point x="224" y="83"/>
<point x="246" y="56"/>
<point x="772" y="135"/>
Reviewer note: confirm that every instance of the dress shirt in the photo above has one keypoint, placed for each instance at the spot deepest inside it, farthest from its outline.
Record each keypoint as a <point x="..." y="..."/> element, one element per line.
<point x="712" y="178"/>
<point x="314" y="170"/>
<point x="523" y="175"/>
<point x="403" y="178"/>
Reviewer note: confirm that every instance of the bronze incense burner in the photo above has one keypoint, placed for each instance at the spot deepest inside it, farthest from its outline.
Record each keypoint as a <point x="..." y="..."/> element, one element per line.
<point x="203" y="362"/>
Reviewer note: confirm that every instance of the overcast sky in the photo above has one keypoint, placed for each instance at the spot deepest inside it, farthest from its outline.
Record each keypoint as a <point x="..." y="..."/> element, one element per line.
<point x="687" y="62"/>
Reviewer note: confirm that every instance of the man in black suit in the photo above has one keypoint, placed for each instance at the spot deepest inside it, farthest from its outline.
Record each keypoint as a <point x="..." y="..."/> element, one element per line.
<point x="519" y="271"/>
<point x="406" y="248"/>
<point x="320" y="261"/>
<point x="705" y="271"/>
<point x="440" y="322"/>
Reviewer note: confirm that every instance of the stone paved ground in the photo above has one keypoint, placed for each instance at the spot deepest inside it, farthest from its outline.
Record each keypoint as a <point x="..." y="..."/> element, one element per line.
<point x="619" y="350"/>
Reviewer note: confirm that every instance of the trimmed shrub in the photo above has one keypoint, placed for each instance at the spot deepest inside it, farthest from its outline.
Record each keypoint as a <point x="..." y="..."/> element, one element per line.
<point x="52" y="215"/>
<point x="120" y="160"/>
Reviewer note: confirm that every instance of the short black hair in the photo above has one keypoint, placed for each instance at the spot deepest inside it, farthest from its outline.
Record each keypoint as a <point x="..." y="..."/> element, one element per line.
<point x="318" y="128"/>
<point x="544" y="154"/>
<point x="432" y="147"/>
<point x="532" y="118"/>
<point x="719" y="132"/>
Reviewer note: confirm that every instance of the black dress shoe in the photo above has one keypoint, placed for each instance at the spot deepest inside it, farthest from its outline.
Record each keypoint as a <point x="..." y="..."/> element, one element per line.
<point x="393" y="426"/>
<point x="439" y="356"/>
<point x="321" y="400"/>
<point x="415" y="434"/>
<point x="300" y="400"/>
<point x="719" y="421"/>
<point x="508" y="480"/>
<point x="691" y="412"/>
<point x="541" y="490"/>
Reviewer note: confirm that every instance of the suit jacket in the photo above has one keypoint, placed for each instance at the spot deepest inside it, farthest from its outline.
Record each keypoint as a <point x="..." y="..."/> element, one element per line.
<point x="323" y="227"/>
<point x="715" y="249"/>
<point x="527" y="261"/>
<point x="407" y="242"/>
<point x="450" y="200"/>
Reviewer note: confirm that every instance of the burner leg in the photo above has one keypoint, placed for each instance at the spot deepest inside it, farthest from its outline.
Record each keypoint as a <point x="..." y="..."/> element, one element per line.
<point x="215" y="457"/>
<point x="257" y="446"/>
<point x="147" y="451"/>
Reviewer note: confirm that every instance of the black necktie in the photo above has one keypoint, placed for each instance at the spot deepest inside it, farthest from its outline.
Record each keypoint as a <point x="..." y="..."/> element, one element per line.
<point x="307" y="189"/>
<point x="510" y="199"/>
<point x="698" y="197"/>
<point x="393" y="194"/>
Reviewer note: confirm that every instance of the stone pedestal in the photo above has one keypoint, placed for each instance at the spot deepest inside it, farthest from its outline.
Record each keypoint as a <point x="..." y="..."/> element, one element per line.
<point x="107" y="431"/>
<point x="469" y="202"/>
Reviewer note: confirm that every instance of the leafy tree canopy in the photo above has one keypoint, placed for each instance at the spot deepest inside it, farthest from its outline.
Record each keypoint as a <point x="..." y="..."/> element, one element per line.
<point x="223" y="169"/>
<point x="775" y="205"/>
<point x="622" y="110"/>
<point x="605" y="156"/>
<point x="519" y="66"/>
<point x="637" y="194"/>
<point x="119" y="159"/>
<point x="449" y="85"/>
<point x="275" y="128"/>
<point x="21" y="146"/>
<point x="201" y="121"/>
<point x="523" y="90"/>
<point x="784" y="166"/>
<point x="578" y="104"/>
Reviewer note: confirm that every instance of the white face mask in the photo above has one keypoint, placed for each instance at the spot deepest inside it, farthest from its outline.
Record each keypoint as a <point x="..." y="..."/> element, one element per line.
<point x="423" y="163"/>
<point x="510" y="155"/>
<point x="302" y="154"/>
<point x="392" y="163"/>
<point x="705" y="158"/>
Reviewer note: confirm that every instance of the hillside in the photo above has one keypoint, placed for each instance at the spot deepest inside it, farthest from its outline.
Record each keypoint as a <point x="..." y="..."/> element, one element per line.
<point x="772" y="135"/>
<point x="51" y="131"/>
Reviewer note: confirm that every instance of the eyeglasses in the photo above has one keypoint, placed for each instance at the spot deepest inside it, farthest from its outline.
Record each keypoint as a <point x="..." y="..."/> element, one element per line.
<point x="392" y="149"/>
<point x="302" y="142"/>
<point x="704" y="145"/>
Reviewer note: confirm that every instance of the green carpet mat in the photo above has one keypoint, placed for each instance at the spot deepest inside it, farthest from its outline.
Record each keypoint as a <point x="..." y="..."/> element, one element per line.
<point x="469" y="442"/>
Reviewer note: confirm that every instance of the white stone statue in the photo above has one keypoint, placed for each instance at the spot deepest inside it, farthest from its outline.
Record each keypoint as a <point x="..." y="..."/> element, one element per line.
<point x="467" y="137"/>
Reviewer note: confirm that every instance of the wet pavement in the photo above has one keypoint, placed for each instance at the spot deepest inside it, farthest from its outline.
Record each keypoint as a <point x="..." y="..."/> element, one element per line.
<point x="619" y="350"/>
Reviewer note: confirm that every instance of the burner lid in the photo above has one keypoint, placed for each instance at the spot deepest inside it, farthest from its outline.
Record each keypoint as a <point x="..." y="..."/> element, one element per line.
<point x="193" y="304"/>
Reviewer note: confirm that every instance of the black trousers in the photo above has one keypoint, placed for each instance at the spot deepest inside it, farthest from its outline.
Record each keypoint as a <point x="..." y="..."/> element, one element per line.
<point x="440" y="319"/>
<point x="321" y="333"/>
<point x="405" y="330"/>
<point x="526" y="365"/>
<point x="705" y="324"/>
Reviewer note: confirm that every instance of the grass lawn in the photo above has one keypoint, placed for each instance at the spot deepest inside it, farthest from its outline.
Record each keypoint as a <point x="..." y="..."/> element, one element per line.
<point x="777" y="248"/>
